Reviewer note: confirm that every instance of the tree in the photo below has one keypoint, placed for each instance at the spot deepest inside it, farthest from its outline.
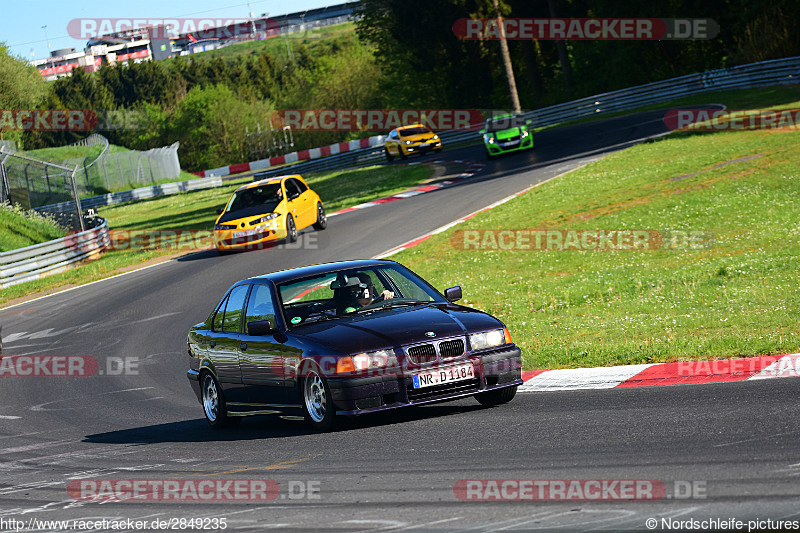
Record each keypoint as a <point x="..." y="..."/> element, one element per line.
<point x="21" y="87"/>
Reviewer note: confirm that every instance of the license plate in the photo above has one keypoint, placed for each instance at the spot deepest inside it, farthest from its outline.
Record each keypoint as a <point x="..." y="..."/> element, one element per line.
<point x="423" y="145"/>
<point x="510" y="143"/>
<point x="439" y="376"/>
<point x="245" y="233"/>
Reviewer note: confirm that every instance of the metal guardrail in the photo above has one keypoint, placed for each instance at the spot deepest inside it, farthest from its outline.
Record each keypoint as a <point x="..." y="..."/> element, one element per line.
<point x="765" y="73"/>
<point x="40" y="260"/>
<point x="141" y="193"/>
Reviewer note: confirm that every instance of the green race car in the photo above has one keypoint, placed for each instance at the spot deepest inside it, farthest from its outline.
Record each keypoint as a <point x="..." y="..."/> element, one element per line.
<point x="506" y="133"/>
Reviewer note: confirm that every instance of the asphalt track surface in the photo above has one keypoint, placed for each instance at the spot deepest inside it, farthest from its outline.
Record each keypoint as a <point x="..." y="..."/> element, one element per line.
<point x="735" y="444"/>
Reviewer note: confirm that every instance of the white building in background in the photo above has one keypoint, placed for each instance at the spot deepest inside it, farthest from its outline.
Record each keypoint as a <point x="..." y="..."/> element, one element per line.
<point x="124" y="48"/>
<point x="136" y="46"/>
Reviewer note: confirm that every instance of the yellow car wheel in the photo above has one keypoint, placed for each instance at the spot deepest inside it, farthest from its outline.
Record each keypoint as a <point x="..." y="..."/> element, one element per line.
<point x="291" y="229"/>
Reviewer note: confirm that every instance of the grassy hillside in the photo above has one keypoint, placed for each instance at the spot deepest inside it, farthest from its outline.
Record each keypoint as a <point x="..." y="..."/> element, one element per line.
<point x="723" y="281"/>
<point x="19" y="229"/>
<point x="277" y="46"/>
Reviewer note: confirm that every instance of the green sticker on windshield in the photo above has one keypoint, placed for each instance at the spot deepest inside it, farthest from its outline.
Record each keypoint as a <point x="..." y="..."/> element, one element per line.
<point x="349" y="309"/>
<point x="296" y="320"/>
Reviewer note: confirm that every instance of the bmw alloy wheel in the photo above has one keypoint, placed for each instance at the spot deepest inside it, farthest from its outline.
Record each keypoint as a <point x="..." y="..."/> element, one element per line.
<point x="210" y="398"/>
<point x="317" y="401"/>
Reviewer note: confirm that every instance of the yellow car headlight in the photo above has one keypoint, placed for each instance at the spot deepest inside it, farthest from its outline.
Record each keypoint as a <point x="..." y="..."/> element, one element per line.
<point x="266" y="218"/>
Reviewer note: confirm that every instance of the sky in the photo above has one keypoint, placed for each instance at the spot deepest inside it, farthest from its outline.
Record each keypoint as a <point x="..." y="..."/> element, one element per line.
<point x="21" y="21"/>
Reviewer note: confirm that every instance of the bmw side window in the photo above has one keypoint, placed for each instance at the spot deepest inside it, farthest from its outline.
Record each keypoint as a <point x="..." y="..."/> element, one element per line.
<point x="406" y="287"/>
<point x="233" y="310"/>
<point x="260" y="306"/>
<point x="219" y="314"/>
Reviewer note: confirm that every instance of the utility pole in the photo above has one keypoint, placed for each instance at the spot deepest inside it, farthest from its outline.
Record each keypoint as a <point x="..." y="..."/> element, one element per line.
<point x="50" y="55"/>
<point x="512" y="85"/>
<point x="252" y="21"/>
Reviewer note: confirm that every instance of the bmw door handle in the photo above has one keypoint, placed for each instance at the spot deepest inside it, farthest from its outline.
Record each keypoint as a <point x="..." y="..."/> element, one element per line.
<point x="243" y="346"/>
<point x="212" y="343"/>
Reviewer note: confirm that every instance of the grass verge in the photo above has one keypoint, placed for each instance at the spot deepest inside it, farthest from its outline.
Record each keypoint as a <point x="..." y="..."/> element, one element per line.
<point x="737" y="294"/>
<point x="19" y="229"/>
<point x="197" y="210"/>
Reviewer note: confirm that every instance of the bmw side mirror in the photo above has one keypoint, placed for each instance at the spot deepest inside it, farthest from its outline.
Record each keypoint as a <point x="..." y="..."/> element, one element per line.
<point x="260" y="328"/>
<point x="219" y="211"/>
<point x="529" y="123"/>
<point x="453" y="294"/>
<point x="483" y="131"/>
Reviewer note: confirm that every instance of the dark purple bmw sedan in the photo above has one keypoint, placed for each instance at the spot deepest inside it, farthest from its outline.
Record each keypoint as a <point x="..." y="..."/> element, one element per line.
<point x="345" y="339"/>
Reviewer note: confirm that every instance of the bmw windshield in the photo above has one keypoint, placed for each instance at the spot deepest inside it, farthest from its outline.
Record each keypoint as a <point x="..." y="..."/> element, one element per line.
<point x="334" y="295"/>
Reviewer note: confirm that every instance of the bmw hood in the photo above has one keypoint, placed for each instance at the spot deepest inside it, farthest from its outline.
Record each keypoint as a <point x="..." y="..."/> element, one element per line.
<point x="396" y="327"/>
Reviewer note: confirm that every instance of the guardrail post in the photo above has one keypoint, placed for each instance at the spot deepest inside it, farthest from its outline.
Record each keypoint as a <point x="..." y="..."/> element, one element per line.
<point x="77" y="199"/>
<point x="5" y="187"/>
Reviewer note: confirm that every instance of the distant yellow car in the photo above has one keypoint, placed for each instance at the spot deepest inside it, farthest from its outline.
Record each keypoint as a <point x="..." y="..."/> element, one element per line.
<point x="262" y="212"/>
<point x="412" y="139"/>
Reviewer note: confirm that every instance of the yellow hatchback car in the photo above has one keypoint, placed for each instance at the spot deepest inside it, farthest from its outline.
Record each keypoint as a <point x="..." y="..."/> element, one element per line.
<point x="260" y="213"/>
<point x="412" y="139"/>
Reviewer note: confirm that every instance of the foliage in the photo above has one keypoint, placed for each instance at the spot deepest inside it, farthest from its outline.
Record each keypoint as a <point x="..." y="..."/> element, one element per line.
<point x="21" y="87"/>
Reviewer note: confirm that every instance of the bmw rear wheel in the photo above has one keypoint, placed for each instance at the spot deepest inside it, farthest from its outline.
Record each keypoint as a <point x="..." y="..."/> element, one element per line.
<point x="291" y="229"/>
<point x="214" y="402"/>
<point x="317" y="403"/>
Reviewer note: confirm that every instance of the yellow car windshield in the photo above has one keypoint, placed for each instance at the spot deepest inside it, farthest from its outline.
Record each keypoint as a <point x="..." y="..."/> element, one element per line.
<point x="266" y="197"/>
<point x="412" y="131"/>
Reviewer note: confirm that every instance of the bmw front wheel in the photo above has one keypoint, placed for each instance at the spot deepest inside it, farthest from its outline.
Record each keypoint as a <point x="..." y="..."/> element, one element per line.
<point x="317" y="403"/>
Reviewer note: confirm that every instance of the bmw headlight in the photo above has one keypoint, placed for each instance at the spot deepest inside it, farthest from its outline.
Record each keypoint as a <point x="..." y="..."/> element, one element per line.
<point x="524" y="133"/>
<point x="490" y="139"/>
<point x="435" y="137"/>
<point x="408" y="142"/>
<point x="489" y="339"/>
<point x="366" y="361"/>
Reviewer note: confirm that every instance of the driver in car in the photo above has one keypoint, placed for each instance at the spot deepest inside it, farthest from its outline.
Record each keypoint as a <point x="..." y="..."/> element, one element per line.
<point x="361" y="292"/>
